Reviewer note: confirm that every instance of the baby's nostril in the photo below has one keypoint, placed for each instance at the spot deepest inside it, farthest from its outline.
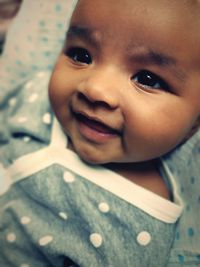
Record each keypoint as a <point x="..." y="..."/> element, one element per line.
<point x="93" y="103"/>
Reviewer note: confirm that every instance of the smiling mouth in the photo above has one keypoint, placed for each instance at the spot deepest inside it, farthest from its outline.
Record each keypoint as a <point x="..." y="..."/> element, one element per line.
<point x="94" y="130"/>
<point x="95" y="125"/>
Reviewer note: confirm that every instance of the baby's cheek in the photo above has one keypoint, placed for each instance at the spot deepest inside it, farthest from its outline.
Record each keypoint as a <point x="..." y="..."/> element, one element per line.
<point x="151" y="140"/>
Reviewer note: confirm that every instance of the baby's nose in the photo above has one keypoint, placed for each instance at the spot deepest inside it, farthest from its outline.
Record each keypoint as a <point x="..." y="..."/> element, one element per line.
<point x="101" y="86"/>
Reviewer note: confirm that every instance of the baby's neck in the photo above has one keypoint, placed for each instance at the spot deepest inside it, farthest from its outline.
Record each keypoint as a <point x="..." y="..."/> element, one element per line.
<point x="145" y="174"/>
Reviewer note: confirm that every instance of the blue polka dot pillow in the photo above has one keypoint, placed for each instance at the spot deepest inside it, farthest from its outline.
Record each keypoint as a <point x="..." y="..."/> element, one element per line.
<point x="33" y="42"/>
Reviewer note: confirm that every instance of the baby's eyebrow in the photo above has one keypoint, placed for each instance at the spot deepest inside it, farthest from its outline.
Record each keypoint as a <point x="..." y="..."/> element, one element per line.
<point x="149" y="56"/>
<point x="153" y="57"/>
<point x="86" y="34"/>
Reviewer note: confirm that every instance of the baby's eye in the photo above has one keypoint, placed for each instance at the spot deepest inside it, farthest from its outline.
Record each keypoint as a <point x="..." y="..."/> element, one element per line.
<point x="148" y="79"/>
<point x="79" y="54"/>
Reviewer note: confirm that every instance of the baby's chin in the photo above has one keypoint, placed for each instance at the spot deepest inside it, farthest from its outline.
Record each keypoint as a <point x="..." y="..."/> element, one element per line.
<point x="92" y="159"/>
<point x="87" y="156"/>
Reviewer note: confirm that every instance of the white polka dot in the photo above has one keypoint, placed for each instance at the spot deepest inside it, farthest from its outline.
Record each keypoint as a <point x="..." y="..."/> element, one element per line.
<point x="40" y="74"/>
<point x="45" y="240"/>
<point x="47" y="118"/>
<point x="68" y="177"/>
<point x="96" y="240"/>
<point x="24" y="265"/>
<point x="25" y="220"/>
<point x="26" y="139"/>
<point x="104" y="207"/>
<point x="29" y="85"/>
<point x="22" y="119"/>
<point x="144" y="238"/>
<point x="63" y="215"/>
<point x="12" y="101"/>
<point x="11" y="237"/>
<point x="33" y="97"/>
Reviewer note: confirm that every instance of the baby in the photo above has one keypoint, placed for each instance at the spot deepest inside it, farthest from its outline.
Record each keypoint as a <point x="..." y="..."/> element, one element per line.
<point x="125" y="93"/>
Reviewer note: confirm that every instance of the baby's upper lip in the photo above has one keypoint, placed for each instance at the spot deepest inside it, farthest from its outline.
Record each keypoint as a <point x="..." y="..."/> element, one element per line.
<point x="96" y="122"/>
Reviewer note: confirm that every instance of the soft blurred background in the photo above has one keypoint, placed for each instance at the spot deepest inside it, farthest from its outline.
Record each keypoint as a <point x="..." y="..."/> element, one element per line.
<point x="8" y="9"/>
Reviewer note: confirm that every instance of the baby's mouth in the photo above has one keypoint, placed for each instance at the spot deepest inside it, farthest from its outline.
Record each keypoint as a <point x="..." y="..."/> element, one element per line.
<point x="96" y="125"/>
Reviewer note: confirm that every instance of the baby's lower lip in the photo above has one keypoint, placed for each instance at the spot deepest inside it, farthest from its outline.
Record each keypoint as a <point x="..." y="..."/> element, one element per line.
<point x="93" y="130"/>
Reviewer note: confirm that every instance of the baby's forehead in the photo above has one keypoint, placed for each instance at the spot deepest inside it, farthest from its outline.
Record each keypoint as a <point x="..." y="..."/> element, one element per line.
<point x="184" y="10"/>
<point x="184" y="14"/>
<point x="191" y="6"/>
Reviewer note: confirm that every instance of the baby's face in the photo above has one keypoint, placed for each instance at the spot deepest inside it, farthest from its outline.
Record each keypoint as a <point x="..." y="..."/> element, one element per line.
<point x="126" y="87"/>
